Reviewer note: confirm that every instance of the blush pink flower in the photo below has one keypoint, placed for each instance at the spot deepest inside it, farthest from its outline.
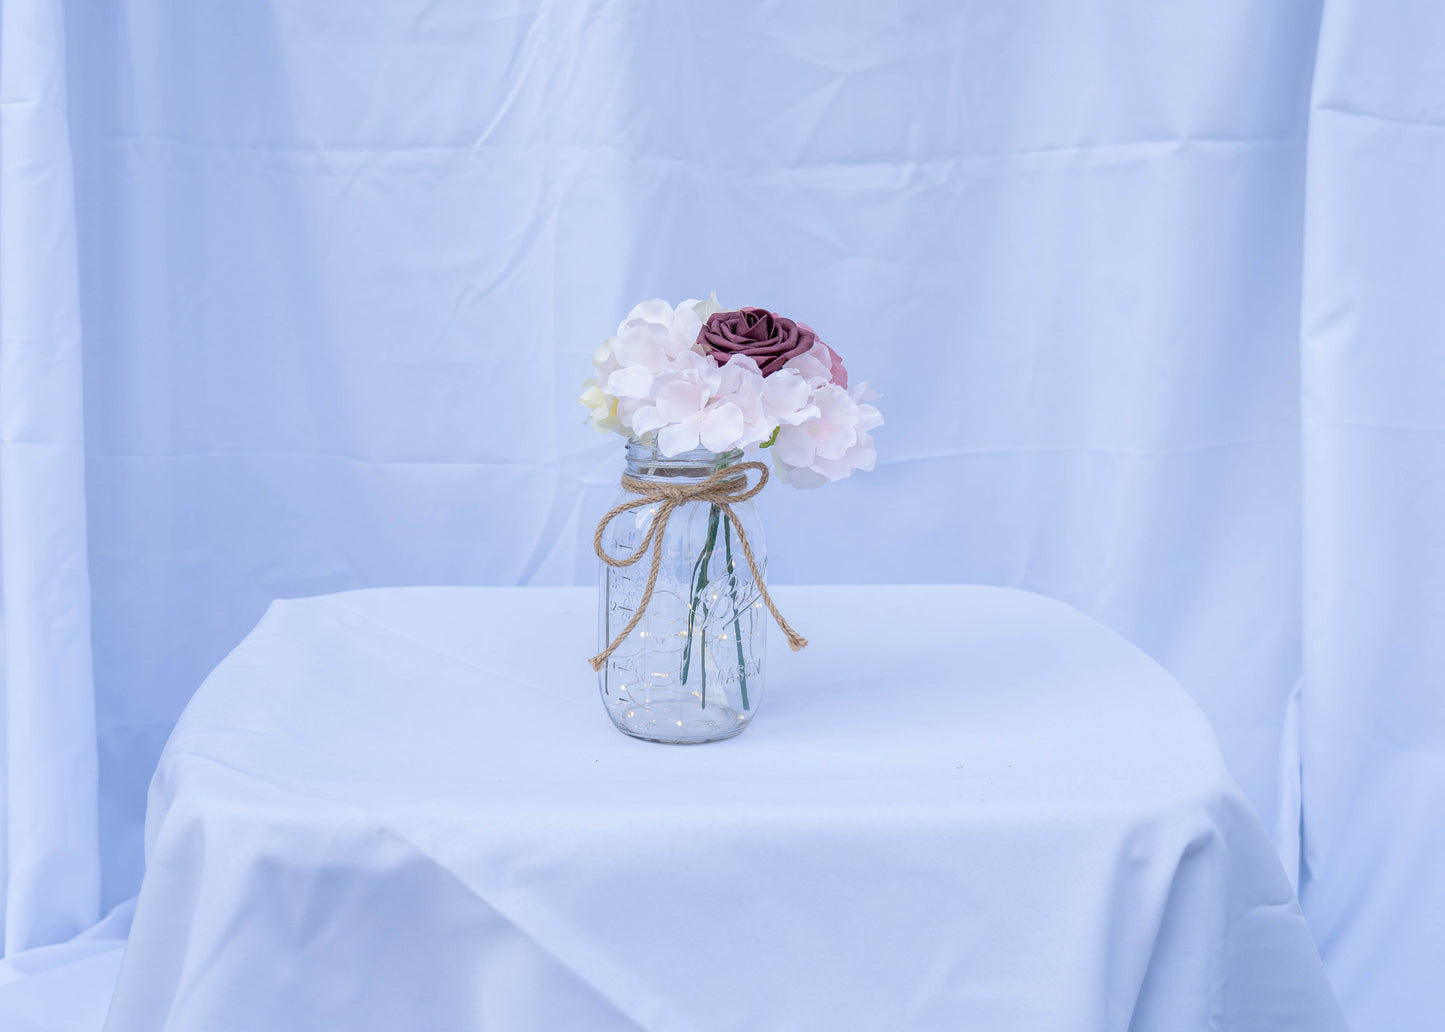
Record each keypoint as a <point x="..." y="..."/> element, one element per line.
<point x="833" y="444"/>
<point x="828" y="435"/>
<point x="651" y="339"/>
<point x="687" y="411"/>
<point x="744" y="386"/>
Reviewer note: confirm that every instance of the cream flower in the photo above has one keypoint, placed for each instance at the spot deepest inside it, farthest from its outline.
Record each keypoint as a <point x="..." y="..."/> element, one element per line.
<point x="706" y="308"/>
<point x="601" y="408"/>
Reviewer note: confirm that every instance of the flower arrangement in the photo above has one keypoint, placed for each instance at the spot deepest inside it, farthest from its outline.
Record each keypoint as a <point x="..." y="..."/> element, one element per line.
<point x="732" y="382"/>
<point x="733" y="379"/>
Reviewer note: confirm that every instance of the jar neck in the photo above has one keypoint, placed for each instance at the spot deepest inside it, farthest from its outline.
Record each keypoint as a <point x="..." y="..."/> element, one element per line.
<point x="646" y="463"/>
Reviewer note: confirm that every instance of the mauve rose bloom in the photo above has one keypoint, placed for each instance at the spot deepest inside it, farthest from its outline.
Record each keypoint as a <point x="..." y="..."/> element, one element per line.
<point x="767" y="338"/>
<point x="836" y="373"/>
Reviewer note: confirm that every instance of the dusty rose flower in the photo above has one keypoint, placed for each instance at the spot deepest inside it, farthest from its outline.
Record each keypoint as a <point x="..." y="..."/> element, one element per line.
<point x="836" y="373"/>
<point x="767" y="338"/>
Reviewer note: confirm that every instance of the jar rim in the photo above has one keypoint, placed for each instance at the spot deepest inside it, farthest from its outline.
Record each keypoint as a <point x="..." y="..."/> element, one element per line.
<point x="645" y="460"/>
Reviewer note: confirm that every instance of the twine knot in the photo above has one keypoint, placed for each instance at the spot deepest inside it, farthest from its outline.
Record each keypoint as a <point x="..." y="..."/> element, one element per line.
<point x="724" y="489"/>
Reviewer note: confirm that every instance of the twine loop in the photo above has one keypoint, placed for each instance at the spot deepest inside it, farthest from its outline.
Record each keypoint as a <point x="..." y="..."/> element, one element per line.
<point x="724" y="489"/>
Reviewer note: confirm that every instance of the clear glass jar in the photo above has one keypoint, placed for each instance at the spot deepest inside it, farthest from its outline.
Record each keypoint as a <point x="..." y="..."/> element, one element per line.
<point x="692" y="669"/>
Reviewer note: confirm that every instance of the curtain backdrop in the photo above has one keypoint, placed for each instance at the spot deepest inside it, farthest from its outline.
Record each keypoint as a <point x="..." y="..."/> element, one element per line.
<point x="343" y="269"/>
<point x="1151" y="292"/>
<point x="49" y="861"/>
<point x="1373" y="359"/>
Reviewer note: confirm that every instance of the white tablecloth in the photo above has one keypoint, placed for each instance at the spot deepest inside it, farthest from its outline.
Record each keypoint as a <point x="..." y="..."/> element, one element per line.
<point x="961" y="808"/>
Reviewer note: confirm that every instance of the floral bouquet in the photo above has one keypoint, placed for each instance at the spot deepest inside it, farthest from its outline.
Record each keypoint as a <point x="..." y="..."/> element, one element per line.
<point x="700" y="374"/>
<point x="700" y="391"/>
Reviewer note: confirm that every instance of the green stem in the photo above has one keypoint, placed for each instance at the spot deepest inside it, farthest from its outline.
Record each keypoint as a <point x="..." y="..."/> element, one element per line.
<point x="699" y="583"/>
<point x="691" y="613"/>
<point x="737" y="626"/>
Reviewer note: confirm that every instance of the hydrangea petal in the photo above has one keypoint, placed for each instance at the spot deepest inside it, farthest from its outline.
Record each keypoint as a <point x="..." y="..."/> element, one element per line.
<point x="654" y="311"/>
<point x="676" y="439"/>
<point x="721" y="426"/>
<point x="630" y="382"/>
<point x="795" y="446"/>
<point x="678" y="398"/>
<point x="647" y="419"/>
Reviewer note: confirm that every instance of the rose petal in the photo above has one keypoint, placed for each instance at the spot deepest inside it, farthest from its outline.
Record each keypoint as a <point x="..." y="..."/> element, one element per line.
<point x="837" y="373"/>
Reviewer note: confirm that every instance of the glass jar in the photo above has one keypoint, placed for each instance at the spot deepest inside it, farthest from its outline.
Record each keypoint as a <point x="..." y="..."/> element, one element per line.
<point x="692" y="668"/>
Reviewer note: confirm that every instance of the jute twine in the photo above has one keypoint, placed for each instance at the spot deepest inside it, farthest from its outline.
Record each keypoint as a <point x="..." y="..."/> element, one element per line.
<point x="723" y="489"/>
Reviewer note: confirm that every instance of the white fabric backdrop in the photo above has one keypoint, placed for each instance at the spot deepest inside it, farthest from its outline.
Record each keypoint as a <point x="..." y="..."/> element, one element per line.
<point x="1373" y="357"/>
<point x="341" y="268"/>
<point x="49" y="861"/>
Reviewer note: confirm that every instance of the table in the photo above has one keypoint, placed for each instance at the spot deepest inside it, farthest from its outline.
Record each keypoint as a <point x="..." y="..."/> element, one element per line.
<point x="961" y="808"/>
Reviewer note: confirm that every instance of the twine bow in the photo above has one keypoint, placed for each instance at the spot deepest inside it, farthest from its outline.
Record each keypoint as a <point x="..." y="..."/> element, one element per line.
<point x="723" y="489"/>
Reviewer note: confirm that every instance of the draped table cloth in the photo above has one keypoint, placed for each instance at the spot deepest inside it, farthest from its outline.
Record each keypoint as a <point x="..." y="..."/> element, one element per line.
<point x="961" y="807"/>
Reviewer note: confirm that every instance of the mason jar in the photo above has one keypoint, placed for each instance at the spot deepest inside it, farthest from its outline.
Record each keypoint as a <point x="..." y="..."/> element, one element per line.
<point x="692" y="668"/>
